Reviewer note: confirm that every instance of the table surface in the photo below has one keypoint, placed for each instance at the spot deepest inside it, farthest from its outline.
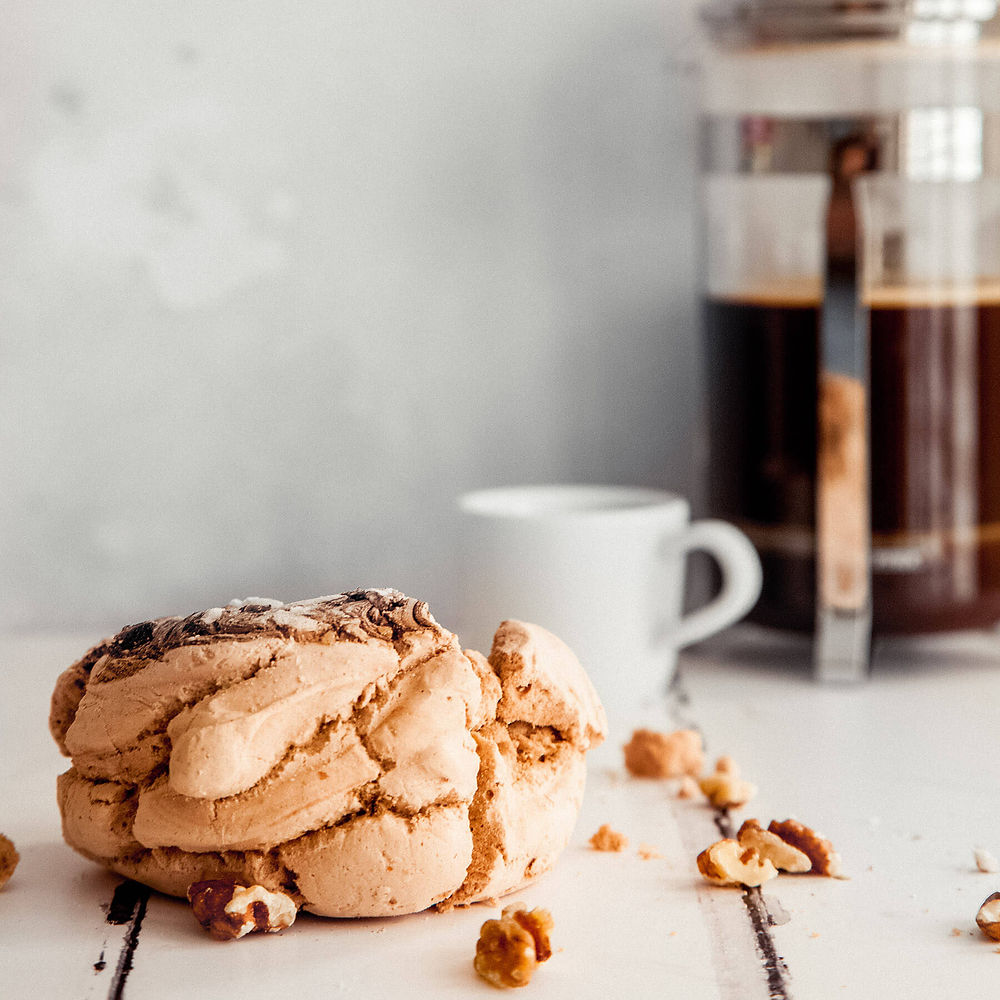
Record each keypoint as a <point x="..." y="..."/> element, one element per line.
<point x="901" y="773"/>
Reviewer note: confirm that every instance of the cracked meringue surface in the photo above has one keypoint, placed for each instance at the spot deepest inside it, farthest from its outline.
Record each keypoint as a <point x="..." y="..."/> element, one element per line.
<point x="344" y="750"/>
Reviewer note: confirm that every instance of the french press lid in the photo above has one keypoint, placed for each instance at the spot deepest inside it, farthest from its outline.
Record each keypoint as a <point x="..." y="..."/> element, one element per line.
<point x="763" y="21"/>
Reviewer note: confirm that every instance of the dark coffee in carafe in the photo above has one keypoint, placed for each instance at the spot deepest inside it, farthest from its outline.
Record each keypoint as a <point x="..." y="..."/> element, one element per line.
<point x="935" y="448"/>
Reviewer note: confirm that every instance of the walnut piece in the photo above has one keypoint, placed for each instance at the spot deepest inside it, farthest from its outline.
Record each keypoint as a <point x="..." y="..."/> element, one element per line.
<point x="727" y="862"/>
<point x="727" y="791"/>
<point x="824" y="859"/>
<point x="607" y="839"/>
<point x="650" y="754"/>
<point x="509" y="949"/>
<point x="780" y="853"/>
<point x="8" y="859"/>
<point x="988" y="916"/>
<point x="228" y="910"/>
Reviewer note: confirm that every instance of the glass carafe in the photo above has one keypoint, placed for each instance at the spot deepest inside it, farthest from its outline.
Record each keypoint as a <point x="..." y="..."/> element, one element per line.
<point x="852" y="303"/>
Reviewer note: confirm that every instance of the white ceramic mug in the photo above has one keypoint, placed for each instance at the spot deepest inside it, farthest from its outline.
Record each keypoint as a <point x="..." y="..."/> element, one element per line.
<point x="603" y="567"/>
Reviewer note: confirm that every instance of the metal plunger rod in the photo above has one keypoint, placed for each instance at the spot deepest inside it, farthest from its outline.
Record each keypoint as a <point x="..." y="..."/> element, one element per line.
<point x="843" y="465"/>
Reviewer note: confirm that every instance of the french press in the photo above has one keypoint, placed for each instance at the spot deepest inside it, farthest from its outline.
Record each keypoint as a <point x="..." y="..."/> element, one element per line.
<point x="851" y="190"/>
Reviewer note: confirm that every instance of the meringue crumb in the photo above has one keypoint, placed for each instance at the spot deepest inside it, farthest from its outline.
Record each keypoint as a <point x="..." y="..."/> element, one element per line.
<point x="607" y="839"/>
<point x="648" y="853"/>
<point x="815" y="934"/>
<point x="651" y="754"/>
<point x="955" y="932"/>
<point x="985" y="861"/>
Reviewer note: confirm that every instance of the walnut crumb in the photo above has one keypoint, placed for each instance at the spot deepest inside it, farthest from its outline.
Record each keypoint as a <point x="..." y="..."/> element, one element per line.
<point x="726" y="765"/>
<point x="650" y="754"/>
<point x="8" y="859"/>
<point x="688" y="788"/>
<point x="769" y="845"/>
<point x="955" y="932"/>
<point x="727" y="791"/>
<point x="985" y="861"/>
<point x="648" y="853"/>
<point x="988" y="917"/>
<point x="727" y="862"/>
<point x="825" y="860"/>
<point x="607" y="839"/>
<point x="228" y="910"/>
<point x="509" y="949"/>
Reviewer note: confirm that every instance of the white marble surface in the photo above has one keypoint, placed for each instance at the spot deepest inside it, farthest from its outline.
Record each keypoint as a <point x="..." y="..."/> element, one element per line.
<point x="900" y="774"/>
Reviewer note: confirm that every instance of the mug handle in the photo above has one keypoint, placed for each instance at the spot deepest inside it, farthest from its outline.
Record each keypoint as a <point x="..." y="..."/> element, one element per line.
<point x="741" y="579"/>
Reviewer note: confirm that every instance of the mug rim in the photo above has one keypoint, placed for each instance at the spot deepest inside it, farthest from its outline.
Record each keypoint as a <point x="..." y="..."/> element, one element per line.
<point x="585" y="500"/>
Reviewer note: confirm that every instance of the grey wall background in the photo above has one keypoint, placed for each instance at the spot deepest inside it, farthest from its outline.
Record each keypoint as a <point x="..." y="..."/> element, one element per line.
<point x="277" y="281"/>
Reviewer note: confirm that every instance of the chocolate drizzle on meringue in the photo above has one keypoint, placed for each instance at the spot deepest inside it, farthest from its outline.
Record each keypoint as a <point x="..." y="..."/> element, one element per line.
<point x="381" y="614"/>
